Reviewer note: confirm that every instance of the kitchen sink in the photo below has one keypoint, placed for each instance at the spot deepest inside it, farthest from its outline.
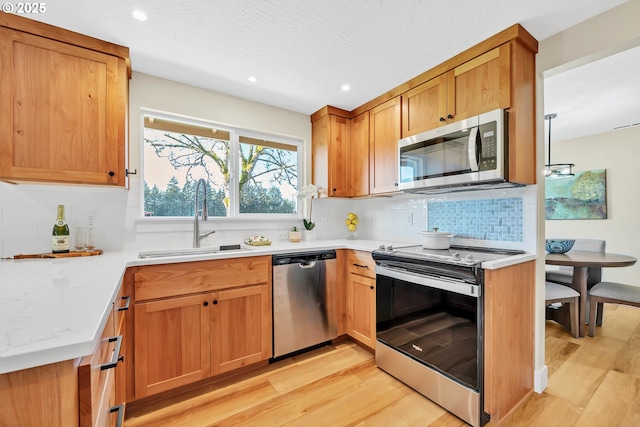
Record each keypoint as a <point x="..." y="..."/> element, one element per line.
<point x="192" y="251"/>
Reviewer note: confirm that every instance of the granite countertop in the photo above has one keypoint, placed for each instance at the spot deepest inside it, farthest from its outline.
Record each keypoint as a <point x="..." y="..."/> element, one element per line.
<point x="55" y="309"/>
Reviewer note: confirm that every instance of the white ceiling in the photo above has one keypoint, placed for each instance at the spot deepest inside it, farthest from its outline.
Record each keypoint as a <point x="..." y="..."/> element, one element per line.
<point x="302" y="51"/>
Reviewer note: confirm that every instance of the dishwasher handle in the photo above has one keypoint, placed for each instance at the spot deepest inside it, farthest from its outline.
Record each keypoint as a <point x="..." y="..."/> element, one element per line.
<point x="307" y="264"/>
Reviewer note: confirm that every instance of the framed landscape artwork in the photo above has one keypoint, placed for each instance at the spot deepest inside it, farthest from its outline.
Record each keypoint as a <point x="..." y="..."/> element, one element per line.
<point x="583" y="196"/>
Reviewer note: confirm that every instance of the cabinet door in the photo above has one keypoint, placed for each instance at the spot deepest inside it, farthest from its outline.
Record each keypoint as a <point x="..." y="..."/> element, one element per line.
<point x="482" y="84"/>
<point x="241" y="327"/>
<point x="425" y="107"/>
<point x="172" y="343"/>
<point x="339" y="158"/>
<point x="361" y="312"/>
<point x="65" y="110"/>
<point x="360" y="155"/>
<point x="383" y="147"/>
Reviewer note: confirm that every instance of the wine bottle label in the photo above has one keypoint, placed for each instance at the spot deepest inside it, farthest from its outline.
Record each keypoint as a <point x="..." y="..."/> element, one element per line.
<point x="60" y="243"/>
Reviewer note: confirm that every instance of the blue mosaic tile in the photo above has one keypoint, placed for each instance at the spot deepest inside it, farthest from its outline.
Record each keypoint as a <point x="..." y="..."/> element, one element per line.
<point x="485" y="219"/>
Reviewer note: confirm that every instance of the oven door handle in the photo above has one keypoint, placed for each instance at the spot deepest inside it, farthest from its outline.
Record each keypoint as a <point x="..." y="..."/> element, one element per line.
<point x="439" y="283"/>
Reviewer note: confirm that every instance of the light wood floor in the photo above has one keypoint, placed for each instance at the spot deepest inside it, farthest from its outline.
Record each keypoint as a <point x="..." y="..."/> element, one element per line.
<point x="592" y="382"/>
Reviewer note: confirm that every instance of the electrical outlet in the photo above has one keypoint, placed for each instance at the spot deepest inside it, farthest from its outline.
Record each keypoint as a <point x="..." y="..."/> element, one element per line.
<point x="92" y="220"/>
<point x="326" y="218"/>
<point x="408" y="220"/>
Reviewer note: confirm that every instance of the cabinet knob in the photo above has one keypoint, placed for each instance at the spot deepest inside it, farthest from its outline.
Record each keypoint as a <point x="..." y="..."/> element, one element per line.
<point x="449" y="116"/>
<point x="371" y="287"/>
<point x="111" y="173"/>
<point x="215" y="301"/>
<point x="442" y="119"/>
<point x="335" y="189"/>
<point x="206" y="303"/>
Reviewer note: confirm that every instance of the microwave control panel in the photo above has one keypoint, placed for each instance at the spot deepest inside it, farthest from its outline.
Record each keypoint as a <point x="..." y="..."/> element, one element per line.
<point x="488" y="147"/>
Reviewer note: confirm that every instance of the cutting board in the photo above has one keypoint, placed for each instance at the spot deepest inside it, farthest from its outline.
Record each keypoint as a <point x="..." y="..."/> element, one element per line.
<point x="71" y="254"/>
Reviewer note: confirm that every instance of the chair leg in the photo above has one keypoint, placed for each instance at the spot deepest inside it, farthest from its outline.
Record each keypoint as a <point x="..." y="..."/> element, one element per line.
<point x="600" y="313"/>
<point x="595" y="309"/>
<point x="575" y="321"/>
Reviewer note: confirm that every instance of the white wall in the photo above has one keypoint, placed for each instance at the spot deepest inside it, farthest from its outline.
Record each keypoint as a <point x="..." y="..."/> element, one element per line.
<point x="27" y="211"/>
<point x="617" y="152"/>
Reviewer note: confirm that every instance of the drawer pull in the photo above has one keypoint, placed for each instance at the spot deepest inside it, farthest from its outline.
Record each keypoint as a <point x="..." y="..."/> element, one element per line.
<point x="125" y="307"/>
<point x="360" y="265"/>
<point x="120" y="410"/>
<point x="116" y="354"/>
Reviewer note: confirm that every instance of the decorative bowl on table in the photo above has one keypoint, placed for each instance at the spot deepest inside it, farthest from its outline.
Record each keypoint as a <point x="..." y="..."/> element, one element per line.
<point x="558" y="246"/>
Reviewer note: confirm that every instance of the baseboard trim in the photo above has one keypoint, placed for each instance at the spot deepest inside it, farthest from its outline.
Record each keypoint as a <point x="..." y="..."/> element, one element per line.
<point x="540" y="378"/>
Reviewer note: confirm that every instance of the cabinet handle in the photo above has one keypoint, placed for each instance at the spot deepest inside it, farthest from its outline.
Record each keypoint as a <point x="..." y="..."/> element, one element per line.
<point x="206" y="303"/>
<point x="442" y="119"/>
<point x="120" y="410"/>
<point x="371" y="287"/>
<point x="449" y="116"/>
<point x="111" y="173"/>
<point x="116" y="354"/>
<point x="215" y="301"/>
<point x="125" y="307"/>
<point x="360" y="265"/>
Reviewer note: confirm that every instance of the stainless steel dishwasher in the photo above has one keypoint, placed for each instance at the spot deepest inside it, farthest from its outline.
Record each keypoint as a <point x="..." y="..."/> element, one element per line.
<point x="305" y="310"/>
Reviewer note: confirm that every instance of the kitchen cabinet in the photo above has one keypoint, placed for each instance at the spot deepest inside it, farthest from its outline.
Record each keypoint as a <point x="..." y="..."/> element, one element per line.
<point x="331" y="154"/>
<point x="70" y="393"/>
<point x="361" y="297"/>
<point x="509" y="294"/>
<point x="384" y="133"/>
<point x="477" y="86"/>
<point x="360" y="155"/>
<point x="195" y="320"/>
<point x="64" y="97"/>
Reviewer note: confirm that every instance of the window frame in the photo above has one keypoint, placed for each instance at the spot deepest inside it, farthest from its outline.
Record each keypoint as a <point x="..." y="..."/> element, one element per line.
<point x="235" y="132"/>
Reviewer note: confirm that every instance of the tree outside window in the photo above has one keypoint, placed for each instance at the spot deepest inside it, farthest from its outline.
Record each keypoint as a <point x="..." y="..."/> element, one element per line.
<point x="177" y="154"/>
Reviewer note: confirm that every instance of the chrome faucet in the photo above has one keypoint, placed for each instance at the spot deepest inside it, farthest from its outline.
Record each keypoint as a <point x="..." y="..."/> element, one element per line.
<point x="197" y="235"/>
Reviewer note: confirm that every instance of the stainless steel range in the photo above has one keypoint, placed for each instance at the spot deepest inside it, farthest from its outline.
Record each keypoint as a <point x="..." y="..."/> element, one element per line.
<point x="429" y="322"/>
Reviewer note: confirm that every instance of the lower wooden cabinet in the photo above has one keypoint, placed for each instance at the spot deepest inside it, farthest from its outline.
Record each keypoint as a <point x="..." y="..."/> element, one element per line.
<point x="361" y="298"/>
<point x="180" y="339"/>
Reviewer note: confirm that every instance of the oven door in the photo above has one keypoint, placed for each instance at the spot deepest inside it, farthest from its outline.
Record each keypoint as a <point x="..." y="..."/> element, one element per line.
<point x="433" y="320"/>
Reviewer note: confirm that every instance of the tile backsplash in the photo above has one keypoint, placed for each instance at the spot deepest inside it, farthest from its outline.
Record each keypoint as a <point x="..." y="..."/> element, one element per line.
<point x="485" y="219"/>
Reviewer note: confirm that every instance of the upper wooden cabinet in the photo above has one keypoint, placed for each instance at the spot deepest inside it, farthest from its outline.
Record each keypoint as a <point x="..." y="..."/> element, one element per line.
<point x="331" y="155"/>
<point x="64" y="97"/>
<point x="384" y="134"/>
<point x="477" y="86"/>
<point x="360" y="155"/>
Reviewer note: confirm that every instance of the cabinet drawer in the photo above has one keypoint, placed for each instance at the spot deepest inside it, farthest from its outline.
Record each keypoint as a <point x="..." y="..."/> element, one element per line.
<point x="96" y="386"/>
<point x="361" y="263"/>
<point x="166" y="280"/>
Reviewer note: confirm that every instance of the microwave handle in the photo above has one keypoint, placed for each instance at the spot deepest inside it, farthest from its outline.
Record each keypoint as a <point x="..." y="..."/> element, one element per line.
<point x="473" y="149"/>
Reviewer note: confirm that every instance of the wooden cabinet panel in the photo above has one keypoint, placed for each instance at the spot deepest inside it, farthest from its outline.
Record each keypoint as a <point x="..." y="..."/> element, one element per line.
<point x="361" y="300"/>
<point x="360" y="155"/>
<point x="241" y="327"/>
<point x="383" y="147"/>
<point x="172" y="343"/>
<point x="166" y="280"/>
<point x="509" y="345"/>
<point x="66" y="110"/>
<point x="424" y="107"/>
<point x="482" y="84"/>
<point x="331" y="155"/>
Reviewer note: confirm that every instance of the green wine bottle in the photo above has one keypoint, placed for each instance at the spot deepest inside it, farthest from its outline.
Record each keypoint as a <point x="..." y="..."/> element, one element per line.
<point x="60" y="234"/>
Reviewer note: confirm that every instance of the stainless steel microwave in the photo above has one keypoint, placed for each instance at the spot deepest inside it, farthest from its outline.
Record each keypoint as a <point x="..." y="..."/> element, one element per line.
<point x="465" y="155"/>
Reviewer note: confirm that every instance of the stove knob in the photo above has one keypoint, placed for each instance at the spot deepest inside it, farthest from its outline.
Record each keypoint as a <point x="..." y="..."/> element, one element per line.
<point x="381" y="248"/>
<point x="469" y="258"/>
<point x="390" y="248"/>
<point x="456" y="256"/>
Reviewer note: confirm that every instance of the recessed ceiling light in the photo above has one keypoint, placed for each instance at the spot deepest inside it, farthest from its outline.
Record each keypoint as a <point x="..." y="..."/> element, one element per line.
<point x="345" y="87"/>
<point x="139" y="15"/>
<point x="252" y="79"/>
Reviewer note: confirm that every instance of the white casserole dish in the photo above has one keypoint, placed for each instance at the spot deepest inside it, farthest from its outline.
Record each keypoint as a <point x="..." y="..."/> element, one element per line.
<point x="435" y="239"/>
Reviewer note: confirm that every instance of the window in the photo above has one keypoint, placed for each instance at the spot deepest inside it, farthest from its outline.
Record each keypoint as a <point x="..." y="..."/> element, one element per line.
<point x="245" y="172"/>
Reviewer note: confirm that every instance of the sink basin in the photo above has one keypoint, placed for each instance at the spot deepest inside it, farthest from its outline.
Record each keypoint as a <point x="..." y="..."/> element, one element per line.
<point x="192" y="251"/>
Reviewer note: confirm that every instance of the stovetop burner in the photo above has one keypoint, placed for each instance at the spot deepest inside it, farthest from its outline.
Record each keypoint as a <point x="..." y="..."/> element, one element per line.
<point x="459" y="255"/>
